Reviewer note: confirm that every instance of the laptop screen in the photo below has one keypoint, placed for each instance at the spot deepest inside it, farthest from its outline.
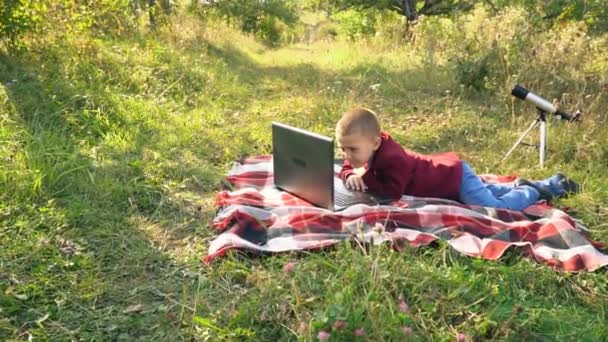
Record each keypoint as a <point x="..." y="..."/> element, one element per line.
<point x="303" y="164"/>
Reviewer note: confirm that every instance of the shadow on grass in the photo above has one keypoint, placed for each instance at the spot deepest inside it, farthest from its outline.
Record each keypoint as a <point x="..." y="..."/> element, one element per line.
<point x="119" y="284"/>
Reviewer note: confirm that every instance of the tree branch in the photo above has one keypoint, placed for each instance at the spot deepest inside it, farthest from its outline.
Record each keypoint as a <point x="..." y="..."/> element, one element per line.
<point x="431" y="7"/>
<point x="491" y="5"/>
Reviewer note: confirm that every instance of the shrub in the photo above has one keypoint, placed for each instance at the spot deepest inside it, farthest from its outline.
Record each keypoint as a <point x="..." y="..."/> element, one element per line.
<point x="18" y="17"/>
<point x="390" y="28"/>
<point x="488" y="48"/>
<point x="266" y="19"/>
<point x="354" y="23"/>
<point x="59" y="18"/>
<point x="327" y="30"/>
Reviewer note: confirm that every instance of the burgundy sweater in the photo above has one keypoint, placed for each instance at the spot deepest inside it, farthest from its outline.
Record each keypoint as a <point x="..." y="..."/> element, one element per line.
<point x="394" y="171"/>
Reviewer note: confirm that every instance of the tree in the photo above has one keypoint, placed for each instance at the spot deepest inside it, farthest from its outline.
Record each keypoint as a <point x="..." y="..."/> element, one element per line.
<point x="593" y="12"/>
<point x="410" y="9"/>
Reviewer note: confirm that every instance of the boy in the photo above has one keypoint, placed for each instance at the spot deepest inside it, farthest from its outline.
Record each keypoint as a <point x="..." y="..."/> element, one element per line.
<point x="375" y="162"/>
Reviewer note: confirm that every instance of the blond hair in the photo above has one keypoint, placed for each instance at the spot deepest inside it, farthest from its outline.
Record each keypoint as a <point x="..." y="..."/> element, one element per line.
<point x="361" y="121"/>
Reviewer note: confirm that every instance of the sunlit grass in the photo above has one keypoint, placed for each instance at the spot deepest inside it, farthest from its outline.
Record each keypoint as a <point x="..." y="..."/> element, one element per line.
<point x="112" y="151"/>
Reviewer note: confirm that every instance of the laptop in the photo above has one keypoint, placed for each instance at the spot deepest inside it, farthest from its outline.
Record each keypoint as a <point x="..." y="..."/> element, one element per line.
<point x="304" y="166"/>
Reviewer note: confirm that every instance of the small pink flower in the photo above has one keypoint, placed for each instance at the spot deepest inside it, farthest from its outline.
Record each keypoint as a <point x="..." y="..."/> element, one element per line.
<point x="289" y="267"/>
<point x="302" y="327"/>
<point x="359" y="332"/>
<point x="407" y="330"/>
<point x="461" y="337"/>
<point x="403" y="307"/>
<point x="323" y="335"/>
<point x="339" y="324"/>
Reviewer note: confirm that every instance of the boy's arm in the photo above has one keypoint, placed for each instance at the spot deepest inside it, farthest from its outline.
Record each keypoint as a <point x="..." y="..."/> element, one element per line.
<point x="395" y="175"/>
<point x="347" y="170"/>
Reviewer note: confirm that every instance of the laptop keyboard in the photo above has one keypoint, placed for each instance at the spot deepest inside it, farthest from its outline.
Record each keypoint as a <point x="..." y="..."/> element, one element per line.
<point x="343" y="199"/>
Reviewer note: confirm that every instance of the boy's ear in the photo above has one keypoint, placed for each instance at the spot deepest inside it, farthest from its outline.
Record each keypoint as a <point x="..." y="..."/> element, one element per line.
<point x="377" y="141"/>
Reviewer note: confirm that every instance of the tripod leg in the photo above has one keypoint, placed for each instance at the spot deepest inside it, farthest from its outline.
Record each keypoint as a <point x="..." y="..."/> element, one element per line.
<point x="543" y="143"/>
<point x="521" y="138"/>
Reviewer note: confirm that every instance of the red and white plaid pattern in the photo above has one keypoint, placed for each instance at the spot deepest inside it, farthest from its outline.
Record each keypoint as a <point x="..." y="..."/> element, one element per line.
<point x="256" y="216"/>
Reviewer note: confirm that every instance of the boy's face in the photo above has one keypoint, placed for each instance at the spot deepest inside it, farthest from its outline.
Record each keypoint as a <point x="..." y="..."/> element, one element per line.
<point x="358" y="149"/>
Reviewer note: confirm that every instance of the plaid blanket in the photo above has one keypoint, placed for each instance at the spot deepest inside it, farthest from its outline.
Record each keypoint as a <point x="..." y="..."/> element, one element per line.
<point x="254" y="215"/>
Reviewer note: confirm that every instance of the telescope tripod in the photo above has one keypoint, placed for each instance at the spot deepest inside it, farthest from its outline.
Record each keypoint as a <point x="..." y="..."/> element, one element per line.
<point x="541" y="120"/>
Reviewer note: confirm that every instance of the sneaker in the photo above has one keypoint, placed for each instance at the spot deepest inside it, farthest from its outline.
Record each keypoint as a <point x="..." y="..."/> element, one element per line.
<point x="556" y="186"/>
<point x="568" y="185"/>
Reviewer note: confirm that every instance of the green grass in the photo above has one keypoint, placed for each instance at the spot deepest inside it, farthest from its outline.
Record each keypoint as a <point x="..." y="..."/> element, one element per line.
<point x="113" y="149"/>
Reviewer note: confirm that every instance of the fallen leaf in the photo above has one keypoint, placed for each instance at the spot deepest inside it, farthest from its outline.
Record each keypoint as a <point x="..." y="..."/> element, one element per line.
<point x="20" y="296"/>
<point x="68" y="247"/>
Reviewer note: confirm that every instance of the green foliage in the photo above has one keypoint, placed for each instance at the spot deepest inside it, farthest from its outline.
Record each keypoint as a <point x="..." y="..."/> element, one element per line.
<point x="485" y="47"/>
<point x="268" y="20"/>
<point x="354" y="24"/>
<point x="474" y="74"/>
<point x="18" y="17"/>
<point x="593" y="12"/>
<point x="327" y="30"/>
<point x="418" y="7"/>
<point x="325" y="6"/>
<point x="69" y="17"/>
<point x="273" y="21"/>
<point x="494" y="50"/>
<point x="113" y="17"/>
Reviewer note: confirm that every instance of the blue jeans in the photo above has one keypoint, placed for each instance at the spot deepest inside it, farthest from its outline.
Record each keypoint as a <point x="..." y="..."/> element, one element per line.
<point x="474" y="191"/>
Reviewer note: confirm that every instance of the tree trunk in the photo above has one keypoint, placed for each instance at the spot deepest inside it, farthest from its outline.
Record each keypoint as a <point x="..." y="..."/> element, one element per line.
<point x="152" y="14"/>
<point x="410" y="14"/>
<point x="409" y="10"/>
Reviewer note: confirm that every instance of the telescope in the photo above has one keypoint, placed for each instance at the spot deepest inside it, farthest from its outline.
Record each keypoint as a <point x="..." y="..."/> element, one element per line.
<point x="542" y="108"/>
<point x="542" y="104"/>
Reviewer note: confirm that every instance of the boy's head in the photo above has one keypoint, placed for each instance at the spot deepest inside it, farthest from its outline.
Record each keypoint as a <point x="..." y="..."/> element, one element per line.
<point x="358" y="135"/>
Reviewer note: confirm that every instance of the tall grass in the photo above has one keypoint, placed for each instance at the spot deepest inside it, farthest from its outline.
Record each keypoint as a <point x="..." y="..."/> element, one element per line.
<point x="113" y="148"/>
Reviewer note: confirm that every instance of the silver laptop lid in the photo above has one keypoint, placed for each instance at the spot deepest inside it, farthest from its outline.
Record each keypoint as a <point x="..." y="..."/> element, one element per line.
<point x="303" y="164"/>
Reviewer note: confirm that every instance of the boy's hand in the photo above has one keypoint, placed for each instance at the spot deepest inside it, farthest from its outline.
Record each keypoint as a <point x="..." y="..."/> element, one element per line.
<point x="355" y="182"/>
<point x="359" y="171"/>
